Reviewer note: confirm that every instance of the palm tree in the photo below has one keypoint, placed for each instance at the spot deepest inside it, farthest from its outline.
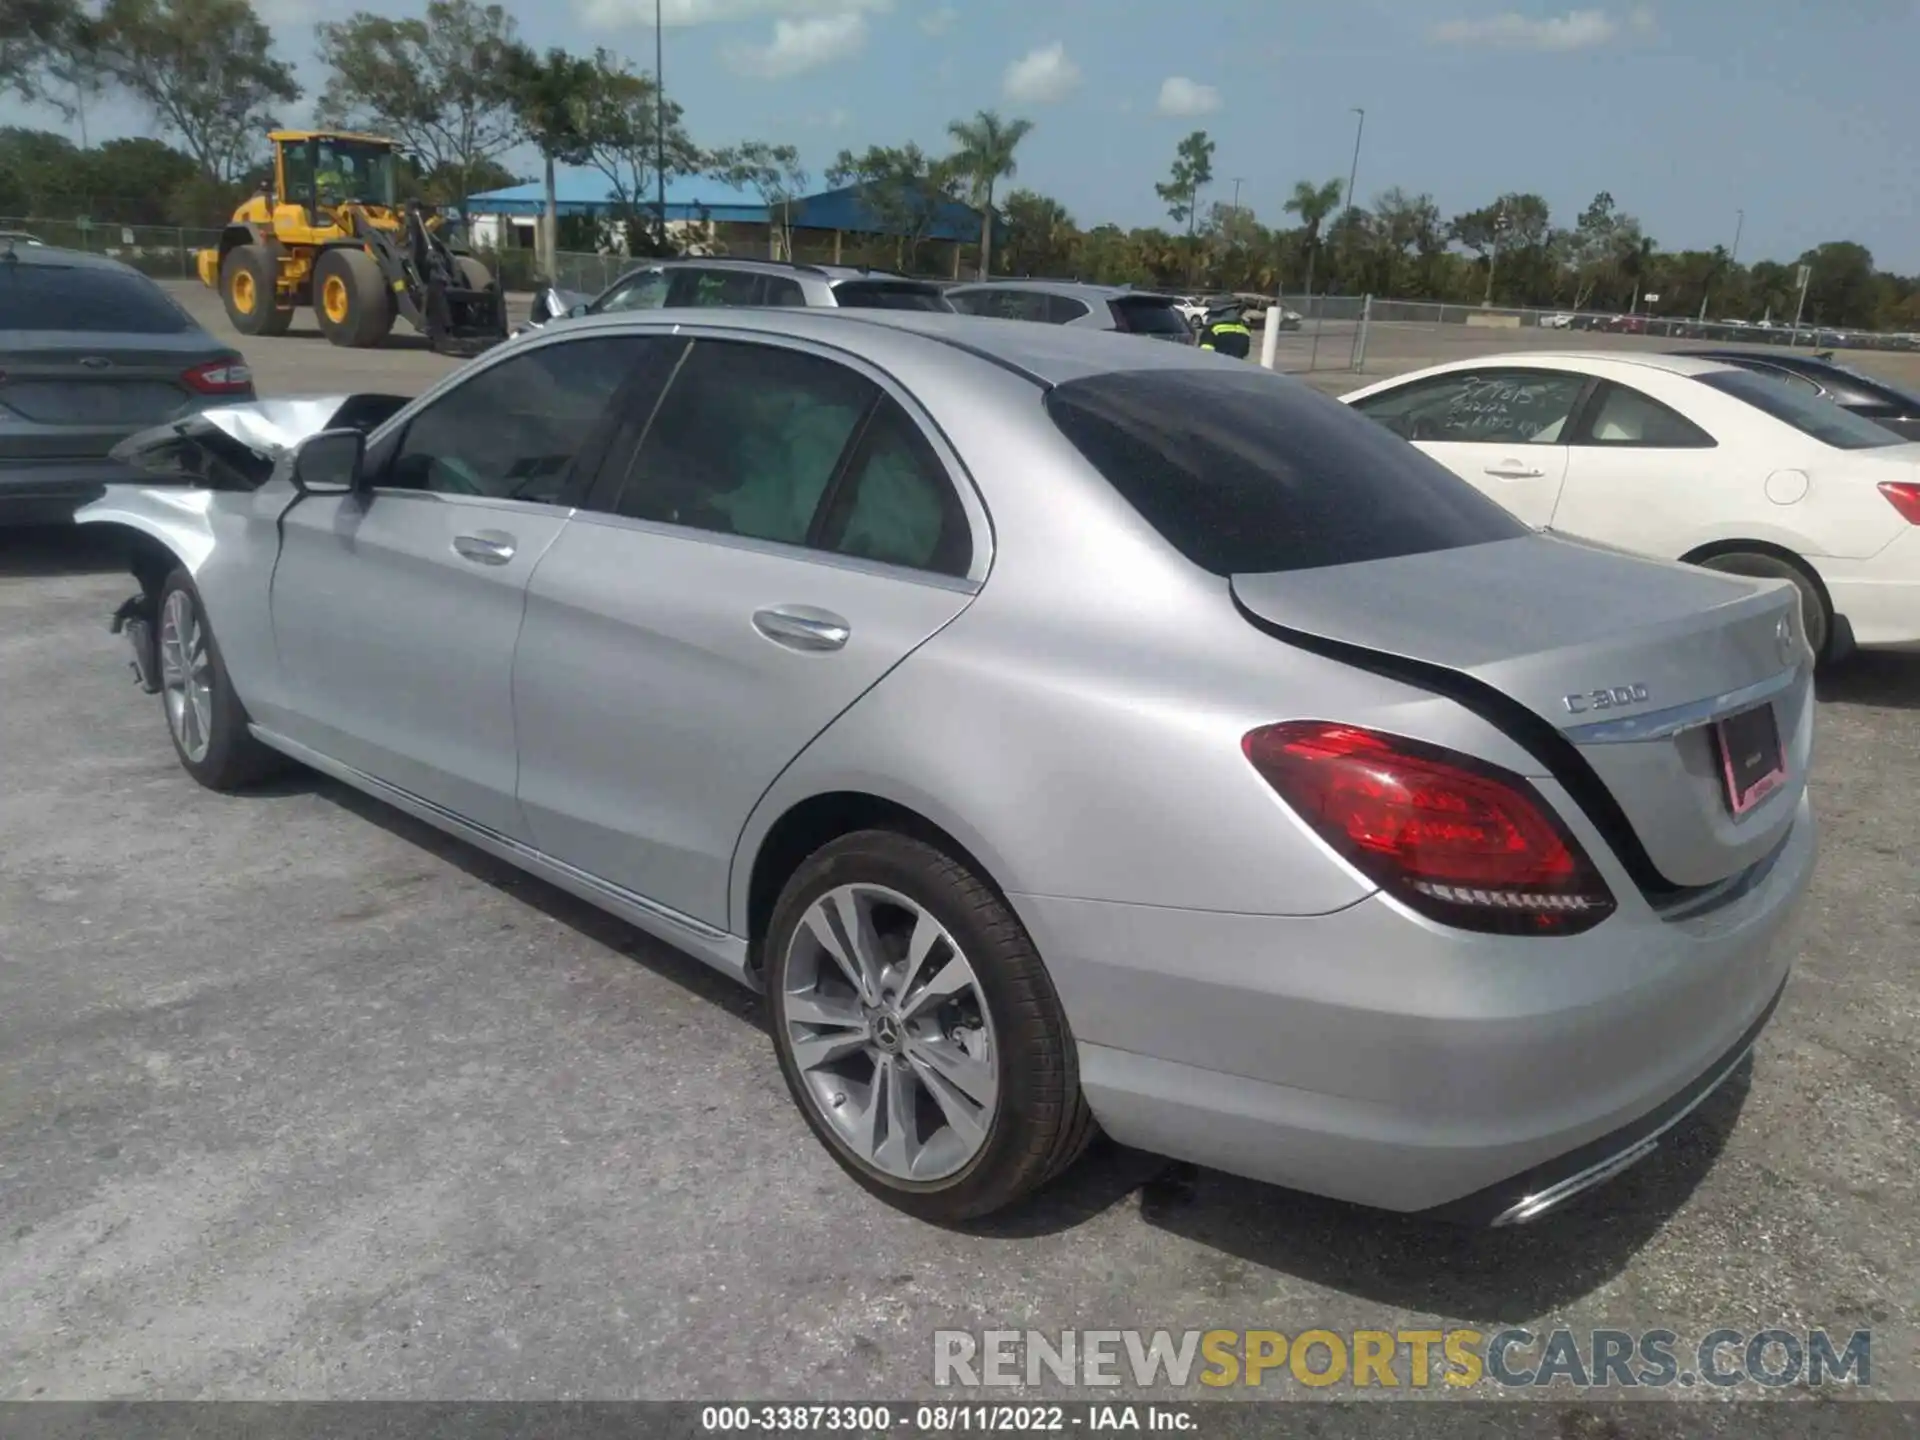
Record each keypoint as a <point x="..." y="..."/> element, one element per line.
<point x="985" y="157"/>
<point x="1313" y="204"/>
<point x="549" y="93"/>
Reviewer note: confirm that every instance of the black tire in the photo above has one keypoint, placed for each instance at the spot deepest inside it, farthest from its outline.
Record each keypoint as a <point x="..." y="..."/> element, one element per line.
<point x="1816" y="613"/>
<point x="255" y="308"/>
<point x="364" y="316"/>
<point x="1041" y="1122"/>
<point x="233" y="758"/>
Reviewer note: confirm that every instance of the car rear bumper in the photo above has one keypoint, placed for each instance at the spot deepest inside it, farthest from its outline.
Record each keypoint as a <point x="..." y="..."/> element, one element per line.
<point x="47" y="492"/>
<point x="1880" y="597"/>
<point x="1371" y="1056"/>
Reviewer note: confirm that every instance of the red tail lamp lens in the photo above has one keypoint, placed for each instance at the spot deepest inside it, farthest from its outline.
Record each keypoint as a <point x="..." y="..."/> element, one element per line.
<point x="220" y="377"/>
<point x="1453" y="838"/>
<point x="1904" y="496"/>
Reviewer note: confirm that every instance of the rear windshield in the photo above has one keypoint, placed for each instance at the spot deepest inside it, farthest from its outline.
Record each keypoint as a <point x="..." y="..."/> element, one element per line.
<point x="1248" y="474"/>
<point x="890" y="295"/>
<point x="1149" y="315"/>
<point x="1876" y="386"/>
<point x="90" y="299"/>
<point x="1809" y="414"/>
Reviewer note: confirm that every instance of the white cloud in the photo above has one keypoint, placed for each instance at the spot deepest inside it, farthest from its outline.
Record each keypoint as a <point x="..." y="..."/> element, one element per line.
<point x="1575" y="30"/>
<point x="1041" y="76"/>
<point x="615" y="14"/>
<point x="799" y="45"/>
<point x="1181" y="96"/>
<point x="939" y="22"/>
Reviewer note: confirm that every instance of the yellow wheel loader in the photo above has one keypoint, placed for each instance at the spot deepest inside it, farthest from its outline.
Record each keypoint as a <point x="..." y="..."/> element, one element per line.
<point x="326" y="230"/>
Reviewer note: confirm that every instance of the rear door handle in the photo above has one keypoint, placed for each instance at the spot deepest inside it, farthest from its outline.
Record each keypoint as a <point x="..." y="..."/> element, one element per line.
<point x="802" y="627"/>
<point x="1513" y="471"/>
<point x="488" y="547"/>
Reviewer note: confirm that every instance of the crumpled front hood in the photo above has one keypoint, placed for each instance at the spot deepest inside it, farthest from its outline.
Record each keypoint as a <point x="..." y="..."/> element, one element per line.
<point x="232" y="445"/>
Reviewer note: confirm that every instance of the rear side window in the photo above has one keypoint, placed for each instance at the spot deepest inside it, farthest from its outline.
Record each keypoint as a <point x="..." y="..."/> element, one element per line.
<point x="1622" y="416"/>
<point x="895" y="503"/>
<point x="1148" y="315"/>
<point x="1064" y="309"/>
<point x="1248" y="474"/>
<point x="889" y="295"/>
<point x="91" y="299"/>
<point x="1809" y="414"/>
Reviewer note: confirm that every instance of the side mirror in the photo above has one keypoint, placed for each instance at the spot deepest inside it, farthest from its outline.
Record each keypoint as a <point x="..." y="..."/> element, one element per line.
<point x="576" y="311"/>
<point x="329" y="463"/>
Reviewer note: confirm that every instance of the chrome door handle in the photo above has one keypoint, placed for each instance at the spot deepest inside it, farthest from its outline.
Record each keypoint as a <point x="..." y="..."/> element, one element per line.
<point x="489" y="547"/>
<point x="1514" y="474"/>
<point x="801" y="627"/>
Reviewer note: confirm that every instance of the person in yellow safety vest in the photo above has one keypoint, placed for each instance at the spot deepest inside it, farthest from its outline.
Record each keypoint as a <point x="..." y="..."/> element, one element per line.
<point x="1226" y="331"/>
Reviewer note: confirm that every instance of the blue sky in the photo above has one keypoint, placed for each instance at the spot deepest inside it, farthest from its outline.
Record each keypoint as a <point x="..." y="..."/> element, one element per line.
<point x="1802" y="113"/>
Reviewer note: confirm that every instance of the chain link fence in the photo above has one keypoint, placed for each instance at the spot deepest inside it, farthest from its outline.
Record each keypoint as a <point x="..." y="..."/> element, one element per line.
<point x="163" y="251"/>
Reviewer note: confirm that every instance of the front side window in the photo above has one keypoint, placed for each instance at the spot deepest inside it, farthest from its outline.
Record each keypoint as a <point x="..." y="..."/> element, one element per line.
<point x="1504" y="407"/>
<point x="644" y="291"/>
<point x="745" y="442"/>
<point x="1811" y="415"/>
<point x="1622" y="416"/>
<point x="692" y="286"/>
<point x="513" y="430"/>
<point x="1248" y="474"/>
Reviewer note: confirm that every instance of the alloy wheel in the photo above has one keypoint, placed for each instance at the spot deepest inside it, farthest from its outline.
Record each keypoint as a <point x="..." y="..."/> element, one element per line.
<point x="186" y="675"/>
<point x="890" y="1032"/>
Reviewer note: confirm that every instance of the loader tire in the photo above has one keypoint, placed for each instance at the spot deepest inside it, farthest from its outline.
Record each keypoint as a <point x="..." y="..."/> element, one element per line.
<point x="350" y="299"/>
<point x="249" y="289"/>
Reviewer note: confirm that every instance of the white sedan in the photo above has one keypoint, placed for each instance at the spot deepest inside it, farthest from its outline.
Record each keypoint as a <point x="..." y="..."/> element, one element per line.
<point x="1688" y="460"/>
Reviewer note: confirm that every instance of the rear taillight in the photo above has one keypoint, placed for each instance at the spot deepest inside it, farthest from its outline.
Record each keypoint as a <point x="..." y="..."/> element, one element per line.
<point x="219" y="377"/>
<point x="1904" y="496"/>
<point x="1457" y="840"/>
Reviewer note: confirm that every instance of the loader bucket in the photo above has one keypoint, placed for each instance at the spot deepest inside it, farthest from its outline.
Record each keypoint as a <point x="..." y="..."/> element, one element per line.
<point x="462" y="321"/>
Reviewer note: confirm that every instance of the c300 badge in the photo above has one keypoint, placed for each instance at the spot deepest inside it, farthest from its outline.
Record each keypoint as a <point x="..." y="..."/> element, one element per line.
<point x="1612" y="698"/>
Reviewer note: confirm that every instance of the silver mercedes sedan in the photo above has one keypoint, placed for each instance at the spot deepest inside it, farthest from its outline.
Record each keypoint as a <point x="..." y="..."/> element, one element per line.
<point x="1063" y="733"/>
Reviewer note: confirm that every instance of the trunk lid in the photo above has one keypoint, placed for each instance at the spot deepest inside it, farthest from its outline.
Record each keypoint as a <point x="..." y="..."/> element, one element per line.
<point x="74" y="397"/>
<point x="1610" y="667"/>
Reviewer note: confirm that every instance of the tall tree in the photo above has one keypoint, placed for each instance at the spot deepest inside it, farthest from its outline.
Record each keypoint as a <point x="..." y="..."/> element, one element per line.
<point x="441" y="85"/>
<point x="551" y="93"/>
<point x="904" y="189"/>
<point x="774" y="173"/>
<point x="1313" y="204"/>
<point x="619" y="121"/>
<point x="205" y="70"/>
<point x="1192" y="168"/>
<point x="984" y="158"/>
<point x="1041" y="238"/>
<point x="35" y="37"/>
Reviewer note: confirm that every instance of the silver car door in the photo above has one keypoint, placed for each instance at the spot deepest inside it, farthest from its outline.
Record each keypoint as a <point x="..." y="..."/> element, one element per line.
<point x="785" y="533"/>
<point x="396" y="610"/>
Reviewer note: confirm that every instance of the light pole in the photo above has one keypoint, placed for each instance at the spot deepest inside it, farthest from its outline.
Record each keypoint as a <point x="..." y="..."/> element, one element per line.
<point x="660" y="121"/>
<point x="1733" y="259"/>
<point x="1353" y="174"/>
<point x="1493" y="255"/>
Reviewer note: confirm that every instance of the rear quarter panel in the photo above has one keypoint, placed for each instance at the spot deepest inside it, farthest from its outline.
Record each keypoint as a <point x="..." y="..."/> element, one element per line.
<point x="1078" y="728"/>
